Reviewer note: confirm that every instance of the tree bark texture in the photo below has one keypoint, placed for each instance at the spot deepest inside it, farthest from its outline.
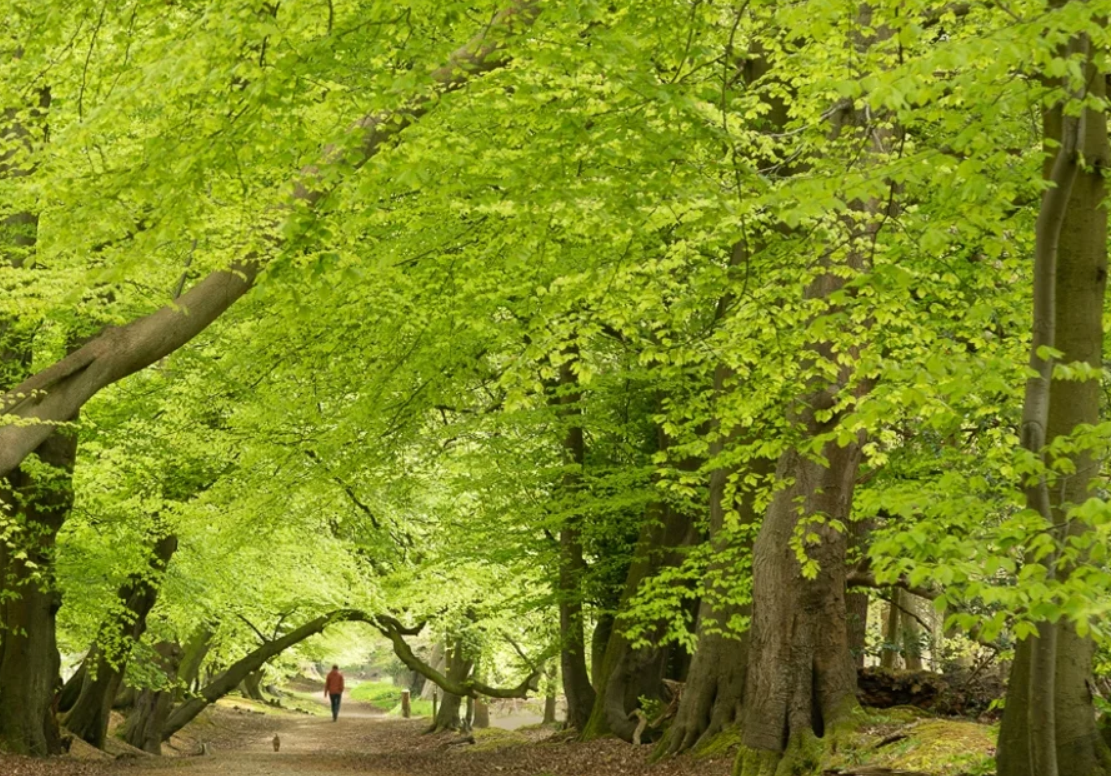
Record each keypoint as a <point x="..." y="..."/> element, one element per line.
<point x="713" y="696"/>
<point x="88" y="719"/>
<point x="1080" y="284"/>
<point x="801" y="676"/>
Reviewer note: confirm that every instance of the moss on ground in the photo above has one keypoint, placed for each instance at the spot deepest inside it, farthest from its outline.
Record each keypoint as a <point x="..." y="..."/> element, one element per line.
<point x="493" y="739"/>
<point x="719" y="745"/>
<point x="905" y="739"/>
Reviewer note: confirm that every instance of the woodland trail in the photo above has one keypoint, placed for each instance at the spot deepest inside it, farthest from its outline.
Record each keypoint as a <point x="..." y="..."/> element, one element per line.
<point x="366" y="741"/>
<point x="310" y="746"/>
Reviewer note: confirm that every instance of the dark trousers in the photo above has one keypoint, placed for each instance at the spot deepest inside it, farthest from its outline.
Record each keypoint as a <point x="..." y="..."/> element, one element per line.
<point x="335" y="696"/>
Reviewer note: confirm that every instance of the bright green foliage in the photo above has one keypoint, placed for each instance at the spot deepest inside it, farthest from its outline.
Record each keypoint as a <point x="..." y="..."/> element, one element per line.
<point x="373" y="426"/>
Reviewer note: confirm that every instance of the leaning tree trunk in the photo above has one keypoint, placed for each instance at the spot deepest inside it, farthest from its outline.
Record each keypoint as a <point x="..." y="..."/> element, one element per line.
<point x="459" y="668"/>
<point x="88" y="719"/>
<point x="1080" y="280"/>
<point x="29" y="661"/>
<point x="193" y="655"/>
<point x="145" y="724"/>
<point x="57" y="392"/>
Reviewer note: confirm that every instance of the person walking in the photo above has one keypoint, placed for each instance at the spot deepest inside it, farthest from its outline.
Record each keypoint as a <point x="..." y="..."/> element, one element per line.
<point x="333" y="688"/>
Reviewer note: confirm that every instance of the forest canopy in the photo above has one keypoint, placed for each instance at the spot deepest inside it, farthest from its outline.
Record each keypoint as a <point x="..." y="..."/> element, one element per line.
<point x="605" y="348"/>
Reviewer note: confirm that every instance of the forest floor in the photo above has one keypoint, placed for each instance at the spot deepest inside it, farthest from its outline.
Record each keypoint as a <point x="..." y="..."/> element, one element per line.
<point x="364" y="740"/>
<point x="239" y="737"/>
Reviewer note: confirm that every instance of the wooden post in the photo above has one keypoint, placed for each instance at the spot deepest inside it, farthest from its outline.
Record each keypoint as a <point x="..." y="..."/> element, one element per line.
<point x="406" y="709"/>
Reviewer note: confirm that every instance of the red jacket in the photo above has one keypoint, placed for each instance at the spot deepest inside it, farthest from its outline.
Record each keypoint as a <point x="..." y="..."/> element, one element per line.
<point x="333" y="684"/>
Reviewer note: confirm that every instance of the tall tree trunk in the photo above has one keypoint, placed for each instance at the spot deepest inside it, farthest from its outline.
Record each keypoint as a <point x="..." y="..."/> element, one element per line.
<point x="1080" y="280"/>
<point x="88" y="720"/>
<point x="856" y="601"/>
<point x="801" y="681"/>
<point x="628" y="674"/>
<point x="29" y="660"/>
<point x="713" y="695"/>
<point x="36" y="505"/>
<point x="576" y="680"/>
<point x="889" y="660"/>
<point x="910" y="630"/>
<point x="801" y="676"/>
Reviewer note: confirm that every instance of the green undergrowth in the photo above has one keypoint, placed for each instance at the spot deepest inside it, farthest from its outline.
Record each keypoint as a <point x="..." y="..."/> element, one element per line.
<point x="907" y="739"/>
<point x="387" y="697"/>
<point x="493" y="739"/>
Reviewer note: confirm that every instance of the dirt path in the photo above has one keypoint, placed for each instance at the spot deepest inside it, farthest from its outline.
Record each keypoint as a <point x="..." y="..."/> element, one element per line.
<point x="368" y="742"/>
<point x="310" y="746"/>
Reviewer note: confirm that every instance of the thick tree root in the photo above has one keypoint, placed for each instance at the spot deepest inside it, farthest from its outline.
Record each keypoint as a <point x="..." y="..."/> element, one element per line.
<point x="805" y="755"/>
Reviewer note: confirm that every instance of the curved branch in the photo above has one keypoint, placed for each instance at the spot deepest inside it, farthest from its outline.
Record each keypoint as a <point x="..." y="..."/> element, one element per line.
<point x="468" y="688"/>
<point x="55" y="395"/>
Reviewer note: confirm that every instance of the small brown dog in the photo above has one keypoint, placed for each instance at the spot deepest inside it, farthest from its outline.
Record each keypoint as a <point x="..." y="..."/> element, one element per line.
<point x="277" y="743"/>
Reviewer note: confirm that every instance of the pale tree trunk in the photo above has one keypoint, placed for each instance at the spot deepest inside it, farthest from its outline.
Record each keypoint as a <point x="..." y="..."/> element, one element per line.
<point x="1078" y="285"/>
<point x="910" y="630"/>
<point x="88" y="719"/>
<point x="857" y="600"/>
<point x="438" y="661"/>
<point x="889" y="660"/>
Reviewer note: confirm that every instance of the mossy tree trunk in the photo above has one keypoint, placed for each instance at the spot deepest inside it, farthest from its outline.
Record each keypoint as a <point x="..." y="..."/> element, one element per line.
<point x="801" y="675"/>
